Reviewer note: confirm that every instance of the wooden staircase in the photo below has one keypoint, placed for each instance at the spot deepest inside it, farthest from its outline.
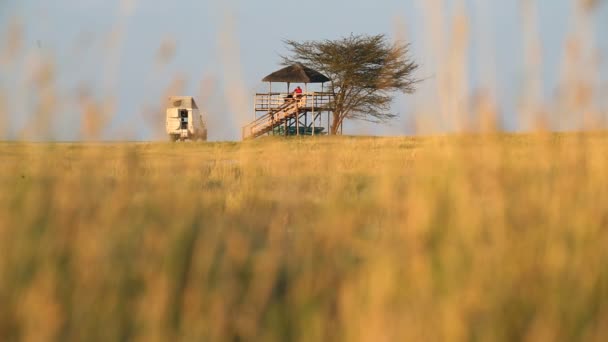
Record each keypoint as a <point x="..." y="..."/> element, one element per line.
<point x="274" y="118"/>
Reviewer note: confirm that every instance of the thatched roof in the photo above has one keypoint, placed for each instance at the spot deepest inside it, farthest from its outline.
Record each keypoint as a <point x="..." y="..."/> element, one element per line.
<point x="296" y="73"/>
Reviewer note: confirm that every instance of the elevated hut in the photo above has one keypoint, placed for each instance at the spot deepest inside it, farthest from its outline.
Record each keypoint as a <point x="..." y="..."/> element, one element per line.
<point x="183" y="119"/>
<point x="284" y="113"/>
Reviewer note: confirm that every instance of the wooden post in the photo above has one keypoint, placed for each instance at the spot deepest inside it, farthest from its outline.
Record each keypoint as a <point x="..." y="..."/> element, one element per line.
<point x="313" y="115"/>
<point x="297" y="122"/>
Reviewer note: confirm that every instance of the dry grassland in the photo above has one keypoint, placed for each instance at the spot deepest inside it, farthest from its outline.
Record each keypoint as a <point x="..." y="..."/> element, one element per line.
<point x="451" y="238"/>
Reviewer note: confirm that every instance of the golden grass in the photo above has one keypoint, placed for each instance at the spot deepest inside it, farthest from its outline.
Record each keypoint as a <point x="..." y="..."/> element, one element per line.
<point x="489" y="238"/>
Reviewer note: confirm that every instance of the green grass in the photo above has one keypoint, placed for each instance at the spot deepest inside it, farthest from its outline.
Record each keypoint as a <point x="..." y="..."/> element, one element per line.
<point x="488" y="238"/>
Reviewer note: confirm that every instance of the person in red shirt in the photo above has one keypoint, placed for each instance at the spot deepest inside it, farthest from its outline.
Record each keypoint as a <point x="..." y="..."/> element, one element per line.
<point x="295" y="95"/>
<point x="297" y="92"/>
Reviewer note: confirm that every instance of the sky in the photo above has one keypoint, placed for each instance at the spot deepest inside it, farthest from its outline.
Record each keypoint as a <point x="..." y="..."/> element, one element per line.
<point x="131" y="54"/>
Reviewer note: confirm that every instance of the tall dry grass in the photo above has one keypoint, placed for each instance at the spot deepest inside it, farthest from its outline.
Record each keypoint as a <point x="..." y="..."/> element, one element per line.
<point x="487" y="237"/>
<point x="491" y="238"/>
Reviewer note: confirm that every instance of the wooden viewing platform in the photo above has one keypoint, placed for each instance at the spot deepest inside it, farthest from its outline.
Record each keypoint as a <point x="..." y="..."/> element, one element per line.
<point x="312" y="101"/>
<point x="285" y="115"/>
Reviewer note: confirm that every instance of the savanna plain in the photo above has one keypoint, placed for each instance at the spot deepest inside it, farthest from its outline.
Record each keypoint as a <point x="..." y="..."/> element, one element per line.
<point x="492" y="237"/>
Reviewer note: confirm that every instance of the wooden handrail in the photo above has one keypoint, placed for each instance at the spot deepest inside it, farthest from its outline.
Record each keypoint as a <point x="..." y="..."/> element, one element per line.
<point x="268" y="101"/>
<point x="270" y="120"/>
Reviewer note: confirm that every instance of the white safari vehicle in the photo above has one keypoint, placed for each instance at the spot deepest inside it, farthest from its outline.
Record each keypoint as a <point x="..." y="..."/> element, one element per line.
<point x="184" y="121"/>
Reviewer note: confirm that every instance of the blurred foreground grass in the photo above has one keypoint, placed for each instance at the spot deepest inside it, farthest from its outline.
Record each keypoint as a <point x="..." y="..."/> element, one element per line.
<point x="488" y="238"/>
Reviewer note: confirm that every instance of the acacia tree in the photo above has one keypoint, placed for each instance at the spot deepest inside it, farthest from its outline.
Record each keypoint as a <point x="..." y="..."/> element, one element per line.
<point x="364" y="70"/>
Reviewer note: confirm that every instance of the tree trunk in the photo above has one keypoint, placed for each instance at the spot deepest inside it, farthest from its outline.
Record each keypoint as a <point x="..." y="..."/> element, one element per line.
<point x="335" y="124"/>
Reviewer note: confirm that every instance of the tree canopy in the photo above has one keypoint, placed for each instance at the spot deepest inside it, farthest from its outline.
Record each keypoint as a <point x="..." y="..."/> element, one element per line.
<point x="365" y="72"/>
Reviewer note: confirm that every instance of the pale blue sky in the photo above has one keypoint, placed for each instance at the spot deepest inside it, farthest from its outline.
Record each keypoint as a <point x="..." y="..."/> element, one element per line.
<point x="230" y="45"/>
